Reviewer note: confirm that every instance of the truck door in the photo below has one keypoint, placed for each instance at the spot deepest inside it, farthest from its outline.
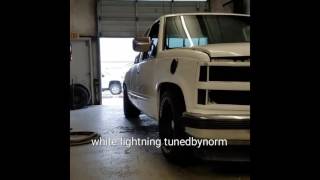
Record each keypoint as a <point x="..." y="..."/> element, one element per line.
<point x="145" y="75"/>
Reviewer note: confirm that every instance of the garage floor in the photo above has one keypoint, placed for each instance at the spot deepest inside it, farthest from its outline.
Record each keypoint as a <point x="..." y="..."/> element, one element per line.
<point x="137" y="162"/>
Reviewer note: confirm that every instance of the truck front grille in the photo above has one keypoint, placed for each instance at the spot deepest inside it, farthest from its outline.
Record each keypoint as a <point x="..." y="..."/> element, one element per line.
<point x="228" y="97"/>
<point x="225" y="73"/>
<point x="229" y="73"/>
<point x="202" y="96"/>
<point x="223" y="97"/>
<point x="203" y="73"/>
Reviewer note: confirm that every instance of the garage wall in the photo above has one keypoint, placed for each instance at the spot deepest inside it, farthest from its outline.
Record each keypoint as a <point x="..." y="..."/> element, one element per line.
<point x="83" y="17"/>
<point x="83" y="22"/>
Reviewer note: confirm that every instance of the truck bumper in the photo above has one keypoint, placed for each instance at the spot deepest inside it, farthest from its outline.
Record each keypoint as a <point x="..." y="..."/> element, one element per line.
<point x="234" y="128"/>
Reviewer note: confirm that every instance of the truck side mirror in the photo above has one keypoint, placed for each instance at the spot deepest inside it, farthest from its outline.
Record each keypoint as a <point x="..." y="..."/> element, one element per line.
<point x="141" y="44"/>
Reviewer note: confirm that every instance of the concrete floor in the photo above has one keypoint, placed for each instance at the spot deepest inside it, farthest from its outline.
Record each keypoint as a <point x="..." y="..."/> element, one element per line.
<point x="89" y="162"/>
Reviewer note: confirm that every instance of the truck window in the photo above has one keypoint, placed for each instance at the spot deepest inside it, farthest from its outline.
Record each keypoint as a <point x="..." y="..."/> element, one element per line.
<point x="199" y="30"/>
<point x="154" y="42"/>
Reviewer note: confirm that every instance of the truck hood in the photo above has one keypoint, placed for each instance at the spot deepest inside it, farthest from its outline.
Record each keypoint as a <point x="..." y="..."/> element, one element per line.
<point x="225" y="49"/>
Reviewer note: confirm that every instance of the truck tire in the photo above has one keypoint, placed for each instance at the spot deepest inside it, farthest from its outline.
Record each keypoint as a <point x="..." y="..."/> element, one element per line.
<point x="171" y="127"/>
<point x="130" y="111"/>
<point x="79" y="96"/>
<point x="115" y="88"/>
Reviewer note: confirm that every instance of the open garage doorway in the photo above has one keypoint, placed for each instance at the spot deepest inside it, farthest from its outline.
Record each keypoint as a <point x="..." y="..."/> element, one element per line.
<point x="117" y="56"/>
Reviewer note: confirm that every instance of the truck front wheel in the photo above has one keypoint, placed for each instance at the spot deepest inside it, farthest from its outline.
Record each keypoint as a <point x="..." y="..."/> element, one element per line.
<point x="171" y="127"/>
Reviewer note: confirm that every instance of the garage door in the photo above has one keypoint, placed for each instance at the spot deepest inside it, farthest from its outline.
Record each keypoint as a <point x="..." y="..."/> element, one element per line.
<point x="131" y="18"/>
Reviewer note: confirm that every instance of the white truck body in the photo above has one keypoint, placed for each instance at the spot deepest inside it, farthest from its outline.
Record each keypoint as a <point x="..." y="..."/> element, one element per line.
<point x="144" y="79"/>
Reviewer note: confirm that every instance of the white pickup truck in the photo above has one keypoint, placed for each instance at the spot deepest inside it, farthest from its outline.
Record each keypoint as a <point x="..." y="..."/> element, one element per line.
<point x="112" y="82"/>
<point x="193" y="76"/>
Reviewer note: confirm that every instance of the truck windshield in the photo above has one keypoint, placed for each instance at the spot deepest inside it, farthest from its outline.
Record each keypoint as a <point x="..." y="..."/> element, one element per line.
<point x="199" y="30"/>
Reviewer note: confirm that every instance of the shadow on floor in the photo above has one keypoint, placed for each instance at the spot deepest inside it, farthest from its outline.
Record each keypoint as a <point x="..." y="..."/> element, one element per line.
<point x="231" y="168"/>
